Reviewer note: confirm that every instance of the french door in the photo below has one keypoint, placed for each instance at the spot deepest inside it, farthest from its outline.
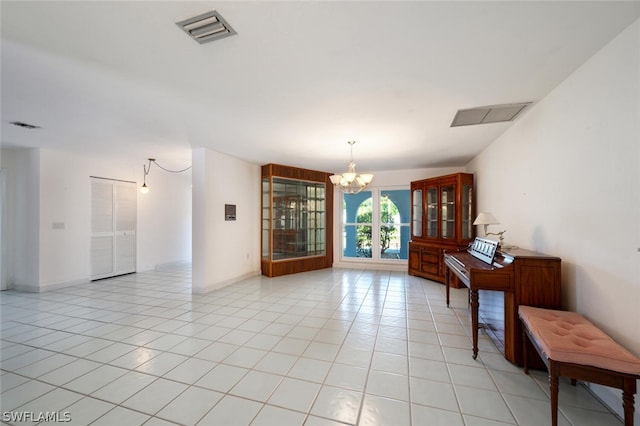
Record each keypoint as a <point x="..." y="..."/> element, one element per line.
<point x="376" y="224"/>
<point x="113" y="227"/>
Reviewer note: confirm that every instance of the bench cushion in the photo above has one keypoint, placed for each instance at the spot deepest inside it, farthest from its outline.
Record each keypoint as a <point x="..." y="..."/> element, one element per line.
<point x="569" y="337"/>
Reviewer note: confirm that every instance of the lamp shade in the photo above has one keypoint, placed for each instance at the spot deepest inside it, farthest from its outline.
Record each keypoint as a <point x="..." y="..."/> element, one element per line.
<point x="335" y="179"/>
<point x="365" y="178"/>
<point x="485" y="218"/>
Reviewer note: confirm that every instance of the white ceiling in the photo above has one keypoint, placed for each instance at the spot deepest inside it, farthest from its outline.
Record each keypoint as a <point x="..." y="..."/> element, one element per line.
<point x="298" y="81"/>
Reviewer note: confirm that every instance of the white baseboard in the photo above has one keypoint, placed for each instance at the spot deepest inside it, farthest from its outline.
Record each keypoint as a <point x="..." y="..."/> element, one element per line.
<point x="48" y="287"/>
<point x="220" y="284"/>
<point x="170" y="265"/>
<point x="371" y="266"/>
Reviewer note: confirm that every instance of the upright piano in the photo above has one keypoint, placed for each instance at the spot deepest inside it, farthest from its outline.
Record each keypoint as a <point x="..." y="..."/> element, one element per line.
<point x="500" y="280"/>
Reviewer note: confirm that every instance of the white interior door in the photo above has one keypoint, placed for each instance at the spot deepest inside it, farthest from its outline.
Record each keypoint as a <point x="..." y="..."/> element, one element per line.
<point x="125" y="227"/>
<point x="113" y="228"/>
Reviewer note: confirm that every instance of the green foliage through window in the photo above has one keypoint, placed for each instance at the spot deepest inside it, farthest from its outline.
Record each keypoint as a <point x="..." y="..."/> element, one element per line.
<point x="388" y="230"/>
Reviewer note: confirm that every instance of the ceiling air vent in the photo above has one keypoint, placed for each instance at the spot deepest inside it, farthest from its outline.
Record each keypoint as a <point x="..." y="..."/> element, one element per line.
<point x="25" y="125"/>
<point x="207" y="27"/>
<point x="488" y="114"/>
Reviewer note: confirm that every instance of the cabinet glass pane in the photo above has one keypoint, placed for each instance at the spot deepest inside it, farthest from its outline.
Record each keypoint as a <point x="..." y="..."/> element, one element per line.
<point x="432" y="212"/>
<point x="297" y="219"/>
<point x="467" y="227"/>
<point x="266" y="218"/>
<point x="448" y="213"/>
<point x="416" y="213"/>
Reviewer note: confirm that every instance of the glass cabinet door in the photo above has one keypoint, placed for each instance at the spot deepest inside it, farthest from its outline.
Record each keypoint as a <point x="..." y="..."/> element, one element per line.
<point x="448" y="213"/>
<point x="266" y="218"/>
<point x="416" y="212"/>
<point x="432" y="212"/>
<point x="293" y="219"/>
<point x="467" y="220"/>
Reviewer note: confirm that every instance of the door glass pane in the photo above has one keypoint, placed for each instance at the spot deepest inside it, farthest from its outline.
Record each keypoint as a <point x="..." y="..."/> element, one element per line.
<point x="357" y="217"/>
<point x="394" y="224"/>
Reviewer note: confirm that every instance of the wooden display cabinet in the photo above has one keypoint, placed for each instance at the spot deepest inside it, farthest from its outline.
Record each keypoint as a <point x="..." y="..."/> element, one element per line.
<point x="442" y="212"/>
<point x="297" y="206"/>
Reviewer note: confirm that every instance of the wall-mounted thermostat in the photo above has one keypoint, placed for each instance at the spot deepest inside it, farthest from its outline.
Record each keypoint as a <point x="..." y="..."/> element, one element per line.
<point x="229" y="212"/>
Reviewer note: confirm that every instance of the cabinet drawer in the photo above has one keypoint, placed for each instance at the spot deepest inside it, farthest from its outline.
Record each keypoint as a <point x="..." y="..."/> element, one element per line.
<point x="430" y="268"/>
<point x="430" y="257"/>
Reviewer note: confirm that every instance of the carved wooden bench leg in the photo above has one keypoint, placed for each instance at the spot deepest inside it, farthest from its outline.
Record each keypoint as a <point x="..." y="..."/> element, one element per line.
<point x="525" y="361"/>
<point x="553" y="388"/>
<point x="629" y="389"/>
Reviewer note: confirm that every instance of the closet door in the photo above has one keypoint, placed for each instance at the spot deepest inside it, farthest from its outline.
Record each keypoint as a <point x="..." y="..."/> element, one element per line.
<point x="113" y="228"/>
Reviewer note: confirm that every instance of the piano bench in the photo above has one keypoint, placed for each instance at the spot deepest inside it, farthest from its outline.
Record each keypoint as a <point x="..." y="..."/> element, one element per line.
<point x="571" y="346"/>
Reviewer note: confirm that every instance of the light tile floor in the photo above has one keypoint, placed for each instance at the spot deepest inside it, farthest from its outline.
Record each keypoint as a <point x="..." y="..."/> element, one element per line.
<point x="326" y="347"/>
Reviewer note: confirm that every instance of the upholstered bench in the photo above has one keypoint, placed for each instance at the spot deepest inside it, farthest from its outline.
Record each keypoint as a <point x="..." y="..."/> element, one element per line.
<point x="571" y="346"/>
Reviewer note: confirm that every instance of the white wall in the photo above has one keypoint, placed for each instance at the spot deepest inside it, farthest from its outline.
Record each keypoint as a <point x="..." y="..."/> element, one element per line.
<point x="65" y="197"/>
<point x="57" y="183"/>
<point x="565" y="180"/>
<point x="164" y="218"/>
<point x="22" y="225"/>
<point x="224" y="251"/>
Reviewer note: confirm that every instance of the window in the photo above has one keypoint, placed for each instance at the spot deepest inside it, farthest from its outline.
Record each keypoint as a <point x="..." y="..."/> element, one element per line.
<point x="388" y="212"/>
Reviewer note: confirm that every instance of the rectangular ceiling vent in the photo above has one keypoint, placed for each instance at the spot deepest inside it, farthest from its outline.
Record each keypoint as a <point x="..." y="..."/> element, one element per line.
<point x="207" y="27"/>
<point x="24" y="125"/>
<point x="488" y="114"/>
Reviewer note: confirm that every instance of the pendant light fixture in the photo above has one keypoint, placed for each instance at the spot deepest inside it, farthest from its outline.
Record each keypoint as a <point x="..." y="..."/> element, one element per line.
<point x="144" y="189"/>
<point x="350" y="182"/>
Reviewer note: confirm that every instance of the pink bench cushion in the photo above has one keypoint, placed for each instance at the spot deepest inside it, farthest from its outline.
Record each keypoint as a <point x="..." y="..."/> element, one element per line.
<point x="569" y="337"/>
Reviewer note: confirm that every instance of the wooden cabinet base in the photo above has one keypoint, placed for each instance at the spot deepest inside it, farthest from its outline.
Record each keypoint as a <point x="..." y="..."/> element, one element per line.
<point x="427" y="261"/>
<point x="293" y="266"/>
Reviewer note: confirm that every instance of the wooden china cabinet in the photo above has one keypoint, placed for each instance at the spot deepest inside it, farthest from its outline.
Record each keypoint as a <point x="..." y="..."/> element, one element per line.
<point x="442" y="214"/>
<point x="297" y="221"/>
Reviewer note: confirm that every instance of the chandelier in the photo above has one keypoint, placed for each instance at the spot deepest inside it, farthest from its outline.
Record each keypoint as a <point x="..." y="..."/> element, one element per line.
<point x="350" y="182"/>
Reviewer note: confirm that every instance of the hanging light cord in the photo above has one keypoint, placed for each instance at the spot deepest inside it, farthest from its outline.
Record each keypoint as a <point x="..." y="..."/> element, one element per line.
<point x="147" y="169"/>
